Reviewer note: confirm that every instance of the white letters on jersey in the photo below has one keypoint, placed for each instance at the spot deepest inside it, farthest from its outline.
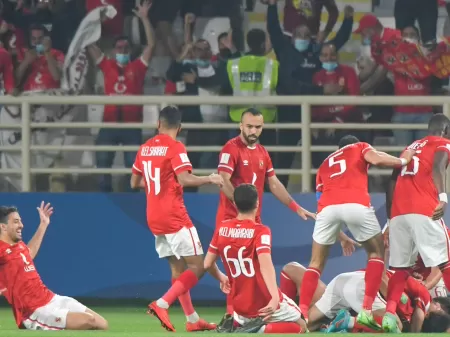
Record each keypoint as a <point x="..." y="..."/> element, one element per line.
<point x="225" y="158"/>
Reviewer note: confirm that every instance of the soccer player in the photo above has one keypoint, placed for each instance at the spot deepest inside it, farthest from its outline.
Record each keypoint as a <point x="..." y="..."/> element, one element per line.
<point x="162" y="168"/>
<point x="415" y="204"/>
<point x="34" y="306"/>
<point x="243" y="160"/>
<point x="244" y="246"/>
<point x="343" y="198"/>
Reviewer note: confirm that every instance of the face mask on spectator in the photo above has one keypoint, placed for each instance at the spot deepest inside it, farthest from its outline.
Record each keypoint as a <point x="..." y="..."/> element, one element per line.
<point x="329" y="66"/>
<point x="189" y="62"/>
<point x="122" y="58"/>
<point x="202" y="63"/>
<point x="301" y="44"/>
<point x="366" y="41"/>
<point x="411" y="40"/>
<point x="39" y="48"/>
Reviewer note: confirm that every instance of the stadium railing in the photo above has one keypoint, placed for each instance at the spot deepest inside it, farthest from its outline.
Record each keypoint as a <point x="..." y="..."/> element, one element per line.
<point x="306" y="126"/>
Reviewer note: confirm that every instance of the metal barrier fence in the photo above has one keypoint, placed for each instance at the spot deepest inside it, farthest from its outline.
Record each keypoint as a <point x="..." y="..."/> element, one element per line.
<point x="306" y="126"/>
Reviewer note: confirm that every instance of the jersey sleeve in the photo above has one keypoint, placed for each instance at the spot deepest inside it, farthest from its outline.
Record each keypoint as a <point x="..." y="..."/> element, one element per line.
<point x="270" y="171"/>
<point x="263" y="243"/>
<point x="319" y="183"/>
<point x="180" y="160"/>
<point x="418" y="294"/>
<point x="365" y="147"/>
<point x="228" y="159"/>
<point x="445" y="147"/>
<point x="213" y="247"/>
<point x="137" y="166"/>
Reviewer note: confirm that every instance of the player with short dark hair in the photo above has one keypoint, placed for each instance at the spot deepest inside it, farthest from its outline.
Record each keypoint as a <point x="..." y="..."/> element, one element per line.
<point x="436" y="322"/>
<point x="415" y="204"/>
<point x="162" y="168"/>
<point x="244" y="246"/>
<point x="343" y="198"/>
<point x="34" y="306"/>
<point x="244" y="161"/>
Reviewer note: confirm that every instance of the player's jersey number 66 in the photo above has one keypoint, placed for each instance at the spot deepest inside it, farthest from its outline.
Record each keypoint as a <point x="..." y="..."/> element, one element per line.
<point x="241" y="265"/>
<point x="152" y="174"/>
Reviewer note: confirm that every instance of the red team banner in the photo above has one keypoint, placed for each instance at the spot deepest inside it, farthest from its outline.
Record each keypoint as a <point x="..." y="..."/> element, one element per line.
<point x="400" y="56"/>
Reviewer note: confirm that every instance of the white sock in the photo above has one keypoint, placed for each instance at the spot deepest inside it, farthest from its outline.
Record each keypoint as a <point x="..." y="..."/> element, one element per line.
<point x="193" y="318"/>
<point x="351" y="323"/>
<point x="263" y="328"/>
<point x="162" y="304"/>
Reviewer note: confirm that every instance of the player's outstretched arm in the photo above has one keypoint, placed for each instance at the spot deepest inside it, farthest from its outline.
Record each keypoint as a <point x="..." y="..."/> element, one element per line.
<point x="439" y="166"/>
<point x="187" y="179"/>
<point x="211" y="267"/>
<point x="45" y="212"/>
<point x="378" y="158"/>
<point x="227" y="188"/>
<point x="280" y="192"/>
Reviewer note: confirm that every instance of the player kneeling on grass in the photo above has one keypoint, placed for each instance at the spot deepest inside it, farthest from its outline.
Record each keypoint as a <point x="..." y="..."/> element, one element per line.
<point x="245" y="248"/>
<point x="35" y="307"/>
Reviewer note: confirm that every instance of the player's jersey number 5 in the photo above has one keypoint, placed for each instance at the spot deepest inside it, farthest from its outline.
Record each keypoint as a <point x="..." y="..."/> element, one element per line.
<point x="340" y="163"/>
<point x="240" y="265"/>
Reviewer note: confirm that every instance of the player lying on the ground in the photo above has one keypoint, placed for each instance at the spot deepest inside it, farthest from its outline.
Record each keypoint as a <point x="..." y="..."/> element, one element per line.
<point x="431" y="277"/>
<point x="34" y="306"/>
<point x="245" y="249"/>
<point x="415" y="204"/>
<point x="162" y="168"/>
<point x="346" y="291"/>
<point x="343" y="198"/>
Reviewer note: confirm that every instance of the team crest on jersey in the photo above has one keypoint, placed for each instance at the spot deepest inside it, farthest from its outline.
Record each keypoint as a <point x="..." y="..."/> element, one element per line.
<point x="261" y="163"/>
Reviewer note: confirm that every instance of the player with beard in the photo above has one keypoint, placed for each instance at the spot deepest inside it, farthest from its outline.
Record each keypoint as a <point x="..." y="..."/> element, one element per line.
<point x="244" y="161"/>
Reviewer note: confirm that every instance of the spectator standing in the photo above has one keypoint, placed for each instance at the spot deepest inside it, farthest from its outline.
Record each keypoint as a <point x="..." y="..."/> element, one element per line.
<point x="406" y="86"/>
<point x="406" y="12"/>
<point x="346" y="78"/>
<point x="41" y="67"/>
<point x="6" y="72"/>
<point x="299" y="61"/>
<point x="122" y="77"/>
<point x="254" y="74"/>
<point x="308" y="12"/>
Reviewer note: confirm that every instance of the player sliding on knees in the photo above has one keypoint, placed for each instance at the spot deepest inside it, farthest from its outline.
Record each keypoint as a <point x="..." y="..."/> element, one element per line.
<point x="35" y="307"/>
<point x="243" y="160"/>
<point x="244" y="246"/>
<point x="415" y="203"/>
<point x="162" y="168"/>
<point x="343" y="198"/>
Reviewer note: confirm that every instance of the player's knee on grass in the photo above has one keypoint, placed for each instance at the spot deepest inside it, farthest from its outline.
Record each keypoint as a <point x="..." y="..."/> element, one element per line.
<point x="100" y="322"/>
<point x="195" y="264"/>
<point x="374" y="247"/>
<point x="80" y="321"/>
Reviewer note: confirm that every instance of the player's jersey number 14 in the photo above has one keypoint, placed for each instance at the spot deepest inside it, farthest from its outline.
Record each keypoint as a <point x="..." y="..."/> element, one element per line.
<point x="152" y="175"/>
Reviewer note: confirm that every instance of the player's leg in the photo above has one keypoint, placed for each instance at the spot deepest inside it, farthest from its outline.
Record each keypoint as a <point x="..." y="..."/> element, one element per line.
<point x="291" y="280"/>
<point x="326" y="230"/>
<point x="402" y="256"/>
<point x="287" y="319"/>
<point x="364" y="226"/>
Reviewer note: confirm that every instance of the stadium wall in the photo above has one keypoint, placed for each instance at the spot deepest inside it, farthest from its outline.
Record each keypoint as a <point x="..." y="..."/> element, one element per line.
<point x="98" y="245"/>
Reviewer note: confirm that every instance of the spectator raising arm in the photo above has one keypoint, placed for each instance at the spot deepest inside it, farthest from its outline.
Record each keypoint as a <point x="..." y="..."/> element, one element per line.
<point x="142" y="13"/>
<point x="333" y="13"/>
<point x="54" y="66"/>
<point x="277" y="38"/>
<point x="345" y="31"/>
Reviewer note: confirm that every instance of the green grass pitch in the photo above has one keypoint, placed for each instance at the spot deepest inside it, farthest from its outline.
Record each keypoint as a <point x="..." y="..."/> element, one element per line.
<point x="127" y="322"/>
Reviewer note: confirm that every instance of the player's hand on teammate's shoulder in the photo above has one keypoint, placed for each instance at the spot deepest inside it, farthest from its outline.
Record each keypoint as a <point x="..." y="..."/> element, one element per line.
<point x="305" y="214"/>
<point x="269" y="309"/>
<point x="408" y="154"/>
<point x="216" y="179"/>
<point x="439" y="210"/>
<point x="225" y="284"/>
<point x="45" y="212"/>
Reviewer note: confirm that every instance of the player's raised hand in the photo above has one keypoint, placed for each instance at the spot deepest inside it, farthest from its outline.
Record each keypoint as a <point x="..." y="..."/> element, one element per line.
<point x="304" y="214"/>
<point x="269" y="309"/>
<point x="439" y="210"/>
<point x="45" y="212"/>
<point x="216" y="179"/>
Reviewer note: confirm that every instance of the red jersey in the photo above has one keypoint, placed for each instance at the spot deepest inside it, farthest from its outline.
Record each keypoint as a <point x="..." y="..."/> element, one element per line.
<point x="338" y="113"/>
<point x="159" y="161"/>
<point x="406" y="86"/>
<point x="25" y="291"/>
<point x="123" y="80"/>
<point x="415" y="192"/>
<point x="238" y="242"/>
<point x="40" y="77"/>
<point x="342" y="177"/>
<point x="6" y="71"/>
<point x="247" y="165"/>
<point x="14" y="40"/>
